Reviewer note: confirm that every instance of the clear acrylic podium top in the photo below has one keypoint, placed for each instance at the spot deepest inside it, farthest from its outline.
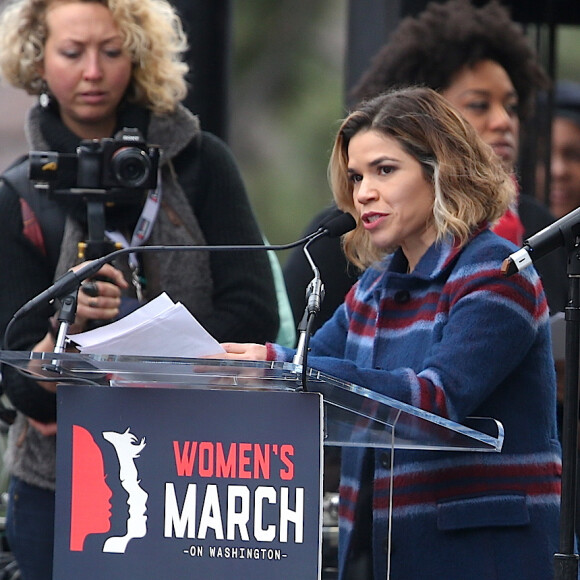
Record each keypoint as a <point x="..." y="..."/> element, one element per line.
<point x="353" y="415"/>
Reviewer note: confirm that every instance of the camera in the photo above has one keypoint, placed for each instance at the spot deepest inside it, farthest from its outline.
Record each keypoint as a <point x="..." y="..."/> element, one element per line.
<point x="110" y="167"/>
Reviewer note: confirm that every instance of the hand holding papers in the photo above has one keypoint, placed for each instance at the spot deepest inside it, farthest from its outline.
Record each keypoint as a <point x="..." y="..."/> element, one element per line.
<point x="159" y="328"/>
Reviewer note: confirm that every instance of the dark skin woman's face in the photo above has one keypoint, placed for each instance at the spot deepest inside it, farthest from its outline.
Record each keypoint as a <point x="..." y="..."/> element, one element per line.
<point x="486" y="97"/>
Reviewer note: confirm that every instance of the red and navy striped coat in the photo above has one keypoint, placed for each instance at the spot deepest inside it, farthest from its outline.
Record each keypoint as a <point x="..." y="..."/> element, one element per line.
<point x="458" y="339"/>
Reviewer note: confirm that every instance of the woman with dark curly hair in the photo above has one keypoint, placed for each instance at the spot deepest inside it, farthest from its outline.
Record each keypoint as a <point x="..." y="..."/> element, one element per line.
<point x="482" y="63"/>
<point x="444" y="41"/>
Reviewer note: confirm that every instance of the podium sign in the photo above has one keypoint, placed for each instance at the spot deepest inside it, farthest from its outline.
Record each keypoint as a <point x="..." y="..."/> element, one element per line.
<point x="183" y="483"/>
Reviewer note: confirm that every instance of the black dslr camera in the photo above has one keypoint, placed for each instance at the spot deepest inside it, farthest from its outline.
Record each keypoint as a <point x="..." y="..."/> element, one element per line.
<point x="107" y="169"/>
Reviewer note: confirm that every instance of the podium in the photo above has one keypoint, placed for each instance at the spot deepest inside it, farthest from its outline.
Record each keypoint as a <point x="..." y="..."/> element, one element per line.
<point x="237" y="448"/>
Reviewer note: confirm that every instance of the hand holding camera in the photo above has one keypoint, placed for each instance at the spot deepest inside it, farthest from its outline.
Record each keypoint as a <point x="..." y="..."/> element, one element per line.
<point x="100" y="297"/>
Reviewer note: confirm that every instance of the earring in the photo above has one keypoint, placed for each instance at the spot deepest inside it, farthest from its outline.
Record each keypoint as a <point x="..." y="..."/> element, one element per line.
<point x="44" y="97"/>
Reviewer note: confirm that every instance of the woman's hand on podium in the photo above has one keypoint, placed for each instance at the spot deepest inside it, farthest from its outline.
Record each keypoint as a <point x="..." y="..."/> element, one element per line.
<point x="242" y="351"/>
<point x="246" y="376"/>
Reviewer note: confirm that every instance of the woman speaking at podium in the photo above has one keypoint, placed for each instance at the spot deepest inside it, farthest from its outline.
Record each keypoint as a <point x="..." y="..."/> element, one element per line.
<point x="433" y="323"/>
<point x="98" y="67"/>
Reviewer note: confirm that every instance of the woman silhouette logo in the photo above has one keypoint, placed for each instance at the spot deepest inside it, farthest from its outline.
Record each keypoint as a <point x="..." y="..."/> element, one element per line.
<point x="90" y="505"/>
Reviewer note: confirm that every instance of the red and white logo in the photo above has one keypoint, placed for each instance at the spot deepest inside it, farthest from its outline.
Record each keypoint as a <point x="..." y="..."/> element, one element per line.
<point x="90" y="497"/>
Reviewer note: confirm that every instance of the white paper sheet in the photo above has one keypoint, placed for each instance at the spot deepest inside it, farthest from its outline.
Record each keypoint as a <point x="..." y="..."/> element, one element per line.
<point x="159" y="328"/>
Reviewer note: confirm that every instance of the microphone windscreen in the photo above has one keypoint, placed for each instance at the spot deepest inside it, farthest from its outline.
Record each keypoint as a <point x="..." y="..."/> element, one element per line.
<point x="333" y="213"/>
<point x="339" y="225"/>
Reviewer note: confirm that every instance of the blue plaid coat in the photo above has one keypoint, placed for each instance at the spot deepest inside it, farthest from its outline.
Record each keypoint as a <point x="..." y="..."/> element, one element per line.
<point x="456" y="338"/>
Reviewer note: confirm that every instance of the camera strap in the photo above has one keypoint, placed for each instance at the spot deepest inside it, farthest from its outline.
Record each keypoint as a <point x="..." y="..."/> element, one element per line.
<point x="140" y="235"/>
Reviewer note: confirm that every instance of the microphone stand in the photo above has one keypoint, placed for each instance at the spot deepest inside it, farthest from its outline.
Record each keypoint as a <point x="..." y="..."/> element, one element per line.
<point x="66" y="317"/>
<point x="566" y="561"/>
<point x="314" y="298"/>
<point x="564" y="232"/>
<point x="73" y="279"/>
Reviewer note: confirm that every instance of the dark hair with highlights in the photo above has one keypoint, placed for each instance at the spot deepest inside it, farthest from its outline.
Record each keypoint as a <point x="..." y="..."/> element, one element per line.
<point x="470" y="187"/>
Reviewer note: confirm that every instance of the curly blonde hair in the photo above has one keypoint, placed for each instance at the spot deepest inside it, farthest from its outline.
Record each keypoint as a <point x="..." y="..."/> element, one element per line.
<point x="152" y="34"/>
<point x="470" y="186"/>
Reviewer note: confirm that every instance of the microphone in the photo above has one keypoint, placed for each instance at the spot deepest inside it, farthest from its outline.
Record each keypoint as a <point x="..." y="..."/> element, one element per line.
<point x="334" y="226"/>
<point x="71" y="281"/>
<point x="561" y="233"/>
<point x="337" y="224"/>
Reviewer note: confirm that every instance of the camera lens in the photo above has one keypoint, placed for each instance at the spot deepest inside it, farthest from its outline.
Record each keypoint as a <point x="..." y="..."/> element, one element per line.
<point x="131" y="166"/>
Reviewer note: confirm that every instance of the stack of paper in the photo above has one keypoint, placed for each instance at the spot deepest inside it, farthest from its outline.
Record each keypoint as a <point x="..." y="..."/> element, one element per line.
<point x="159" y="328"/>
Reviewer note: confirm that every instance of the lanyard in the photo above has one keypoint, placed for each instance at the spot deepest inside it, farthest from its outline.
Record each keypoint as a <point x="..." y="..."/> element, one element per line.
<point x="140" y="235"/>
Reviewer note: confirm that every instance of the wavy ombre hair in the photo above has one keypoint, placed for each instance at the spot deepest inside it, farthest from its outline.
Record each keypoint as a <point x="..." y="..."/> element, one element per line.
<point x="470" y="187"/>
<point x="152" y="35"/>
